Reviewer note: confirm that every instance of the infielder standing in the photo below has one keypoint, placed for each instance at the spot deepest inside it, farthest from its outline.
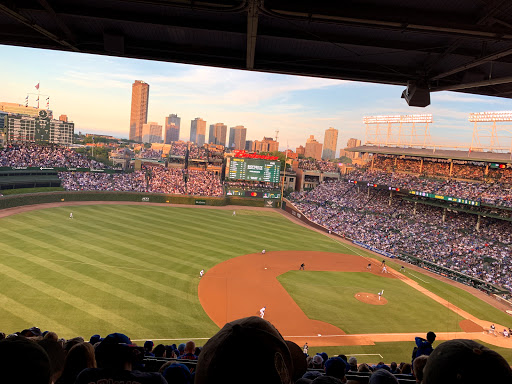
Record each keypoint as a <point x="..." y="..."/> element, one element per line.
<point x="262" y="312"/>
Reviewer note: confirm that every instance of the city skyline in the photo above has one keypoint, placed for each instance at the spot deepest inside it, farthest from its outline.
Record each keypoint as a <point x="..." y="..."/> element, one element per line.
<point x="94" y="92"/>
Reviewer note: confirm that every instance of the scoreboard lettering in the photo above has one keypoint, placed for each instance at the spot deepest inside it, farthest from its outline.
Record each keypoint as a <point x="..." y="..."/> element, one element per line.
<point x="254" y="170"/>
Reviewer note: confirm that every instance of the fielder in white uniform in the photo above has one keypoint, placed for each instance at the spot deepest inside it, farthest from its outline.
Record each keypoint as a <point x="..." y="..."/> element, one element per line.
<point x="234" y="213"/>
<point x="380" y="294"/>
<point x="262" y="312"/>
<point x="201" y="273"/>
<point x="71" y="215"/>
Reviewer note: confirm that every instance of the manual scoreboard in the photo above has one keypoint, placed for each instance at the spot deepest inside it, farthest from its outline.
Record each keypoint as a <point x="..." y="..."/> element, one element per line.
<point x="254" y="170"/>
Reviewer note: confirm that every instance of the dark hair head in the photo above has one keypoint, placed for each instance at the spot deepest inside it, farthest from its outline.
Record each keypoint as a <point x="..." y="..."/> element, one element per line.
<point x="79" y="357"/>
<point x="431" y="337"/>
<point x="23" y="361"/>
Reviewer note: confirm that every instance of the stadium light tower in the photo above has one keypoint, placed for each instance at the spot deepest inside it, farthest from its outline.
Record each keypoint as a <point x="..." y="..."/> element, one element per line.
<point x="398" y="130"/>
<point x="492" y="132"/>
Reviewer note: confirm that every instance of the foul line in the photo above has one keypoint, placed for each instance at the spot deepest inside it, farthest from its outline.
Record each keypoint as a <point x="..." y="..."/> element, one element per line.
<point x="419" y="278"/>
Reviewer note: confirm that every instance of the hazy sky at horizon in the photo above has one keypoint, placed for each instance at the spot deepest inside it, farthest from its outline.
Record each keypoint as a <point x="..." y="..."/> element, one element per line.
<point x="95" y="92"/>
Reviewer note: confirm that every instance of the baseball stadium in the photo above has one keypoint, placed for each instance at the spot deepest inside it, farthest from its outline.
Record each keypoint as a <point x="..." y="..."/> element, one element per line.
<point x="158" y="260"/>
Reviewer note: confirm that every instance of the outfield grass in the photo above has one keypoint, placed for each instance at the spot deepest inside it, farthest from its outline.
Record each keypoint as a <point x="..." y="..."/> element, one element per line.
<point x="134" y="269"/>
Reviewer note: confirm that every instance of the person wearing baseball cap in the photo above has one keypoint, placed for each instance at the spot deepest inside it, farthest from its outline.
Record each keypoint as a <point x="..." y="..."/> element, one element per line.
<point x="116" y="355"/>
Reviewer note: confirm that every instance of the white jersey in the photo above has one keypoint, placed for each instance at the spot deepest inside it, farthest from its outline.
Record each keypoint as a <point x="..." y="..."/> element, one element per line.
<point x="262" y="312"/>
<point x="201" y="273"/>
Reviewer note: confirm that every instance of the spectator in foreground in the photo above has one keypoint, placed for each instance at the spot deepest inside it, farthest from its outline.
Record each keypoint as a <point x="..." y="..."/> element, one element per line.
<point x="188" y="352"/>
<point x="382" y="376"/>
<point x="116" y="356"/>
<point x="249" y="351"/>
<point x="425" y="346"/>
<point x="80" y="357"/>
<point x="176" y="373"/>
<point x="465" y="362"/>
<point x="23" y="361"/>
<point x="417" y="367"/>
<point x="335" y="367"/>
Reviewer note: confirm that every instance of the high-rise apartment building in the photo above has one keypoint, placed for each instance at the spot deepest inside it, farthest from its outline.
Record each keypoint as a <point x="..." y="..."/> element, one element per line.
<point x="313" y="148"/>
<point x="218" y="134"/>
<point x="300" y="150"/>
<point x="237" y="136"/>
<point x="172" y="128"/>
<point x="198" y="131"/>
<point x="330" y="144"/>
<point x="151" y="133"/>
<point x="268" y="144"/>
<point x="351" y="143"/>
<point x="139" y="111"/>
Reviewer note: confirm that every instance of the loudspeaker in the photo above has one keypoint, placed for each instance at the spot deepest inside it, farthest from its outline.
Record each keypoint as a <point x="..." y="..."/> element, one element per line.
<point x="416" y="95"/>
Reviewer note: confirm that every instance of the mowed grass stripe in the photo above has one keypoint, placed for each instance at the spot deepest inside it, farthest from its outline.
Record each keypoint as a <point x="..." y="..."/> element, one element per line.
<point x="222" y="220"/>
<point x="151" y="308"/>
<point x="214" y="236"/>
<point x="253" y="229"/>
<point x="103" y="251"/>
<point x="162" y="247"/>
<point x="124" y="247"/>
<point x="27" y="316"/>
<point x="102" y="314"/>
<point x="111" y="269"/>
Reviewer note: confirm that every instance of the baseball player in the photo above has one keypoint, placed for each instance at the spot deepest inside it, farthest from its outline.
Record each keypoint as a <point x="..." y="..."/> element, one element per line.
<point x="402" y="269"/>
<point x="201" y="273"/>
<point x="384" y="269"/>
<point x="262" y="312"/>
<point x="369" y="266"/>
<point x="234" y="213"/>
<point x="302" y="266"/>
<point x="306" y="348"/>
<point x="263" y="252"/>
<point x="380" y="294"/>
<point x="70" y="215"/>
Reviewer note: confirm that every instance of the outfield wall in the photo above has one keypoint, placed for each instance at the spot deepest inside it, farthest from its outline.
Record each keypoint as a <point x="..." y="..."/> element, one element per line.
<point x="11" y="201"/>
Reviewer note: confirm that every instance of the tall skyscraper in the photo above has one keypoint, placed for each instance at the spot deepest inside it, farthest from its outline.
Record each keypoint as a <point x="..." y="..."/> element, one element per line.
<point x="172" y="128"/>
<point x="237" y="137"/>
<point x="313" y="148"/>
<point x="330" y="144"/>
<point x="218" y="134"/>
<point x="151" y="133"/>
<point x="198" y="131"/>
<point x="139" y="112"/>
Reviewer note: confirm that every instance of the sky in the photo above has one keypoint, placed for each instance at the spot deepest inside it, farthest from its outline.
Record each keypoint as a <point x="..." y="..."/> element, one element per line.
<point x="95" y="93"/>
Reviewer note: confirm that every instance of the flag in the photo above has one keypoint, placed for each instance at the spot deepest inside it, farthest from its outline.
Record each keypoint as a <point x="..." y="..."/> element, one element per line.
<point x="37" y="86"/>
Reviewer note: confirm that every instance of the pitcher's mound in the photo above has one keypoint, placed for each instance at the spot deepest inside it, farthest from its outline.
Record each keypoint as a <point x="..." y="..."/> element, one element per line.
<point x="370" y="298"/>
